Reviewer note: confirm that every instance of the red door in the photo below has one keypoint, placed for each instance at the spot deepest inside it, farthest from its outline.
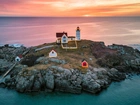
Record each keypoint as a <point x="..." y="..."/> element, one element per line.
<point x="84" y="64"/>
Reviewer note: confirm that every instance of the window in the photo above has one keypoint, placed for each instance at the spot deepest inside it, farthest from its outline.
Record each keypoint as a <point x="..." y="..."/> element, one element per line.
<point x="64" y="37"/>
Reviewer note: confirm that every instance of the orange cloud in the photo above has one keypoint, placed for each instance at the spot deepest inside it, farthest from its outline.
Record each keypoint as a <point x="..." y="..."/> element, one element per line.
<point x="113" y="10"/>
<point x="69" y="8"/>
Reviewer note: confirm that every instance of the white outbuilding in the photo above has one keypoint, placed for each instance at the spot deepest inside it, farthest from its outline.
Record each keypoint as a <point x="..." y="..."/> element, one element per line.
<point x="53" y="54"/>
<point x="18" y="58"/>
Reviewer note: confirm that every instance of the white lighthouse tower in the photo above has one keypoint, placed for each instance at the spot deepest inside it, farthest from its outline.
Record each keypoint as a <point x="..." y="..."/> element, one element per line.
<point x="78" y="34"/>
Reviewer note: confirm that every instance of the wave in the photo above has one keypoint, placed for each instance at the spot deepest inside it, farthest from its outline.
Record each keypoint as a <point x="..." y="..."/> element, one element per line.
<point x="135" y="46"/>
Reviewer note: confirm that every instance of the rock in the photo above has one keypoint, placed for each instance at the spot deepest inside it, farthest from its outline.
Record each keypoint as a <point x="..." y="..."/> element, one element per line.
<point x="65" y="86"/>
<point x="36" y="85"/>
<point x="9" y="53"/>
<point x="91" y="86"/>
<point x="68" y="82"/>
<point x="49" y="80"/>
<point x="78" y="81"/>
<point x="60" y="69"/>
<point x="29" y="60"/>
<point x="67" y="73"/>
<point x="46" y="62"/>
<point x="24" y="82"/>
<point x="55" y="60"/>
<point x="94" y="76"/>
<point x="73" y="77"/>
<point x="4" y="65"/>
<point x="2" y="85"/>
<point x="57" y="69"/>
<point x="115" y="75"/>
<point x="42" y="60"/>
<point x="122" y="57"/>
<point x="99" y="50"/>
<point x="10" y="82"/>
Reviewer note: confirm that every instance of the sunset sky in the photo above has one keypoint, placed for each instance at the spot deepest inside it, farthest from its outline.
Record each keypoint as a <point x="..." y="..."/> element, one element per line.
<point x="70" y="8"/>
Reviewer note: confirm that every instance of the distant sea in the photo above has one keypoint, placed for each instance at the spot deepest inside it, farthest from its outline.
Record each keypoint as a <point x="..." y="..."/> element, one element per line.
<point x="32" y="31"/>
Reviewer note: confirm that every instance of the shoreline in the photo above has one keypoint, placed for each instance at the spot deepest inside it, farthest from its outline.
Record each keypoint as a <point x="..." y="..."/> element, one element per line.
<point x="41" y="73"/>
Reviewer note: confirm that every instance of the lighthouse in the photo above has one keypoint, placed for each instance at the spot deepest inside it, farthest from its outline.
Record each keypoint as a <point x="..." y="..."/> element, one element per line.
<point x="78" y="34"/>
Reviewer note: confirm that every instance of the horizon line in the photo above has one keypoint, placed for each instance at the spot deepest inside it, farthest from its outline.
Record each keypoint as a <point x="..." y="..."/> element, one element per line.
<point x="68" y="16"/>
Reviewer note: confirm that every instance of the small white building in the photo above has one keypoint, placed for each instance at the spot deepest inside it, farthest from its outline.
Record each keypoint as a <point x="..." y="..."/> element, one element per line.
<point x="64" y="39"/>
<point x="78" y="37"/>
<point x="53" y="54"/>
<point x="18" y="58"/>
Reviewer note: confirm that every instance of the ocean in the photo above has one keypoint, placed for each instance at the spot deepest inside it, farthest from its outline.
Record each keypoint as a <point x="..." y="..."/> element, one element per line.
<point x="32" y="31"/>
<point x="126" y="92"/>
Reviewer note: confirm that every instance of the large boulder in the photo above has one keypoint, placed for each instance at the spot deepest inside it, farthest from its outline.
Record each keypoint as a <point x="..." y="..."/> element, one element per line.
<point x="91" y="86"/>
<point x="95" y="80"/>
<point x="24" y="81"/>
<point x="49" y="80"/>
<point x="115" y="75"/>
<point x="68" y="82"/>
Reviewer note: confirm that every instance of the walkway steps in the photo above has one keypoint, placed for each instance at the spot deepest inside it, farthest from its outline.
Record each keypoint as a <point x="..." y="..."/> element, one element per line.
<point x="44" y="47"/>
<point x="8" y="71"/>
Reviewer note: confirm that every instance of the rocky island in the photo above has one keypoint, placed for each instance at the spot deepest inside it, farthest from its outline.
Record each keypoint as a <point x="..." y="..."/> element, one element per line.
<point x="36" y="71"/>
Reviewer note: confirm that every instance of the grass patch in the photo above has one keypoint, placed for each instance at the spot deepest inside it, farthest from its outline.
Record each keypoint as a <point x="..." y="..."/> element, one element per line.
<point x="72" y="57"/>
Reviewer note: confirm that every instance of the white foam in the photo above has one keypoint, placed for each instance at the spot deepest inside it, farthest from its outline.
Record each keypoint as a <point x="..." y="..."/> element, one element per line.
<point x="16" y="45"/>
<point x="135" y="46"/>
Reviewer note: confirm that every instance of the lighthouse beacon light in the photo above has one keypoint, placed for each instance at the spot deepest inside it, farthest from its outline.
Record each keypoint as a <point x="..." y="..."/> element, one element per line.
<point x="78" y="34"/>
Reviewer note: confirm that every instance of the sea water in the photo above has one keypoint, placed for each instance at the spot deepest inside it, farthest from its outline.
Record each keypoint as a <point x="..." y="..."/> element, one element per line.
<point x="33" y="31"/>
<point x="126" y="92"/>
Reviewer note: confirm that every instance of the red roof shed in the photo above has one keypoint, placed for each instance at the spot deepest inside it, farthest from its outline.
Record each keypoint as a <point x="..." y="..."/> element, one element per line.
<point x="84" y="64"/>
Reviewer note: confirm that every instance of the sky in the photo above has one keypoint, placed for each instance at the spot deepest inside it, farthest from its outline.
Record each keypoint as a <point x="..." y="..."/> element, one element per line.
<point x="69" y="8"/>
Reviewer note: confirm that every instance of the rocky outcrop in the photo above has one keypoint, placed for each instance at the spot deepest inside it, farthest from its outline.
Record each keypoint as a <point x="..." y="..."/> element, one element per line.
<point x="121" y="57"/>
<point x="7" y="56"/>
<point x="99" y="50"/>
<point x="68" y="81"/>
<point x="9" y="53"/>
<point x="4" y="65"/>
<point x="55" y="74"/>
<point x="47" y="60"/>
<point x="56" y="78"/>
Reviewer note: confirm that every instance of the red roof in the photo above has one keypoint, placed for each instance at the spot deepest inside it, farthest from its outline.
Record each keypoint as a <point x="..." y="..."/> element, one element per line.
<point x="52" y="50"/>
<point x="78" y="29"/>
<point x="20" y="56"/>
<point x="61" y="34"/>
<point x="84" y="64"/>
<point x="71" y="36"/>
